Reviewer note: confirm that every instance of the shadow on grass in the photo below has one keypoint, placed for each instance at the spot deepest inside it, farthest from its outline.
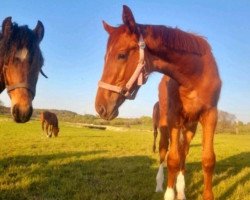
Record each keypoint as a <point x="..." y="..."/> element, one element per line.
<point x="88" y="176"/>
<point x="230" y="167"/>
<point x="75" y="176"/>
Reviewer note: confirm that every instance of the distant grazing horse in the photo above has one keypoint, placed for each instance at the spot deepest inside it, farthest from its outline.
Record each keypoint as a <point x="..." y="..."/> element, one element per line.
<point x="20" y="63"/>
<point x="50" y="120"/>
<point x="134" y="51"/>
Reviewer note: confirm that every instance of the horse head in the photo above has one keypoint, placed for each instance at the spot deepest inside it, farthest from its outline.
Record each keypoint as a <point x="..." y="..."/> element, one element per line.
<point x="21" y="61"/>
<point x="55" y="131"/>
<point x="124" y="67"/>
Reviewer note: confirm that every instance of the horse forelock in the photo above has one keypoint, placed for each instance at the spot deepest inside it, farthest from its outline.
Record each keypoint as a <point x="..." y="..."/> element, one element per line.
<point x="21" y="38"/>
<point x="21" y="43"/>
<point x="113" y="40"/>
<point x="115" y="35"/>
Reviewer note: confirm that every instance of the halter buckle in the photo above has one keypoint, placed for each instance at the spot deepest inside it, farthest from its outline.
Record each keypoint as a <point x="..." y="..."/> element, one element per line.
<point x="124" y="91"/>
<point x="141" y="43"/>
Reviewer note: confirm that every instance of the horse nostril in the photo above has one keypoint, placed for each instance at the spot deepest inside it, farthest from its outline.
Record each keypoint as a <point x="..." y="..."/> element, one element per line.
<point x="15" y="113"/>
<point x="101" y="110"/>
<point x="21" y="115"/>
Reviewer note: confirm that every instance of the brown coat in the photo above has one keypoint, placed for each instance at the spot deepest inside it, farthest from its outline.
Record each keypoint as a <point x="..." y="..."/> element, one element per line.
<point x="193" y="89"/>
<point x="51" y="122"/>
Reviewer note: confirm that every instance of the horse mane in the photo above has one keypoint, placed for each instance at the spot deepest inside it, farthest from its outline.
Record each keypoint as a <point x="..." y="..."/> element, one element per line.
<point x="178" y="40"/>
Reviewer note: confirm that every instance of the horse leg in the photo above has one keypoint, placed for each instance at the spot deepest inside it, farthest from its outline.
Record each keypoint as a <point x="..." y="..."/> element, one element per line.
<point x="163" y="143"/>
<point x="53" y="130"/>
<point x="163" y="148"/>
<point x="43" y="125"/>
<point x="47" y="127"/>
<point x="155" y="136"/>
<point x="208" y="121"/>
<point x="173" y="159"/>
<point x="50" y="130"/>
<point x="185" y="139"/>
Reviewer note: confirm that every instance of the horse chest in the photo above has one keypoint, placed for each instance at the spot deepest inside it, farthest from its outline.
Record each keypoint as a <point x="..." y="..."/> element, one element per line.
<point x="191" y="104"/>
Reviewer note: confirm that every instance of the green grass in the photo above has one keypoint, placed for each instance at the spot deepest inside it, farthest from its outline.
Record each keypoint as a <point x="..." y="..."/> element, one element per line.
<point x="108" y="165"/>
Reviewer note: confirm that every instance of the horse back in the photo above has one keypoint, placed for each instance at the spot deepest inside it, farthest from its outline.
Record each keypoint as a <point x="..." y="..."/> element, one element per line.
<point x="49" y="118"/>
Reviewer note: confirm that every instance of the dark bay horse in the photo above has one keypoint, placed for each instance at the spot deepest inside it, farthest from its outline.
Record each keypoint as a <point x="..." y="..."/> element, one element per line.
<point x="20" y="62"/>
<point x="159" y="117"/>
<point x="50" y="120"/>
<point x="134" y="51"/>
<point x="155" y="119"/>
<point x="162" y="110"/>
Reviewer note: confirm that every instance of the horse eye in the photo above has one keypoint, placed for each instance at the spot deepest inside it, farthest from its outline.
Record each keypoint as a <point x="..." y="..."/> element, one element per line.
<point x="121" y="56"/>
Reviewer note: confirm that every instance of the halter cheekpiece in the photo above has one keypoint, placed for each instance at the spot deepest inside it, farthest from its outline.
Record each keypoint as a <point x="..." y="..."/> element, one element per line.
<point x="140" y="76"/>
<point x="26" y="85"/>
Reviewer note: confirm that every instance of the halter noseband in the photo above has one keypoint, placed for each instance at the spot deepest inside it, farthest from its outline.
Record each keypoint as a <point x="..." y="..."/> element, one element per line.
<point x="139" y="75"/>
<point x="26" y="85"/>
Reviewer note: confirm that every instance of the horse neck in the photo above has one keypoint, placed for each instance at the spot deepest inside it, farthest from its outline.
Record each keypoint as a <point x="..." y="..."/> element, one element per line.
<point x="178" y="64"/>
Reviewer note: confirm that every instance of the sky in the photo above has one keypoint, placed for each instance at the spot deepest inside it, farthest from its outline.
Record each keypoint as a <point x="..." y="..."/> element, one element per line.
<point x="75" y="42"/>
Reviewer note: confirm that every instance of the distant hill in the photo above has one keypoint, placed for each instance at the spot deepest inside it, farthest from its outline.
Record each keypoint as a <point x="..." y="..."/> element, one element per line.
<point x="227" y="122"/>
<point x="69" y="116"/>
<point x="36" y="112"/>
<point x="4" y="110"/>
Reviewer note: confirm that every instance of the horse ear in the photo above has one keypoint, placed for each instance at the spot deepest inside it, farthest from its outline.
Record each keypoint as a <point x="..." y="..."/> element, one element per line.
<point x="7" y="27"/>
<point x="128" y="18"/>
<point x="107" y="27"/>
<point x="39" y="31"/>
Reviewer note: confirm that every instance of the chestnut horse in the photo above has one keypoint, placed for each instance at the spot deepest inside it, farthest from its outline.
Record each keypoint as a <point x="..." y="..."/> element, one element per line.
<point x="193" y="90"/>
<point x="20" y="63"/>
<point x="50" y="120"/>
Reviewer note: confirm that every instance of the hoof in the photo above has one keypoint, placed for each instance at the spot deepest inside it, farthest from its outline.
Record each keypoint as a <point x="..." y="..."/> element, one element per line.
<point x="180" y="187"/>
<point x="181" y="196"/>
<point x="159" y="189"/>
<point x="169" y="194"/>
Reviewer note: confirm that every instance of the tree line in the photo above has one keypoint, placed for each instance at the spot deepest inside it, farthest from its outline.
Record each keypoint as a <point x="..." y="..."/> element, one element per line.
<point x="227" y="122"/>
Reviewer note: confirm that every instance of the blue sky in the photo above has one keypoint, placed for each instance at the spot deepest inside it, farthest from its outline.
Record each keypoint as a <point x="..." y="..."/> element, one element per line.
<point x="75" y="42"/>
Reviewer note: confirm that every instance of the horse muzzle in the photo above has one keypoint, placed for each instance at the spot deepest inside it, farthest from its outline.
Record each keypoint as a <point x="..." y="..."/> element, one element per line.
<point x="21" y="100"/>
<point x="107" y="103"/>
<point x="105" y="113"/>
<point x="21" y="114"/>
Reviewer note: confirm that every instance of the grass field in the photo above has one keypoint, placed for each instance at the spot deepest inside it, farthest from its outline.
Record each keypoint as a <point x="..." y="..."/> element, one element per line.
<point x="108" y="165"/>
